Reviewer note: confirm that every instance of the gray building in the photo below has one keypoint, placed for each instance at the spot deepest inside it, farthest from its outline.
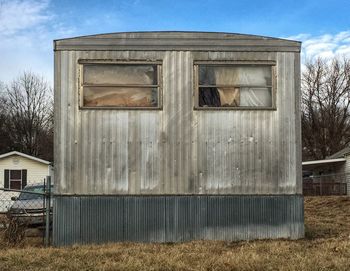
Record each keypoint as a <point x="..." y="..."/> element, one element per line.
<point x="175" y="136"/>
<point x="330" y="176"/>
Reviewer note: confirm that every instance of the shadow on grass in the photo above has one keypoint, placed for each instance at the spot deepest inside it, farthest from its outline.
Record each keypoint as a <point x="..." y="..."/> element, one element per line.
<point x="312" y="233"/>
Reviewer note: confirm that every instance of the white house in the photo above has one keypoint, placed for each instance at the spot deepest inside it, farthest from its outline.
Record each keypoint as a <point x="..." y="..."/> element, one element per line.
<point x="16" y="171"/>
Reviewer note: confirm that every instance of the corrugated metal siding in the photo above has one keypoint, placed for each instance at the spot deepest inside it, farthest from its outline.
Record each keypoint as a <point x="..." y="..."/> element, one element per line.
<point x="99" y="219"/>
<point x="346" y="170"/>
<point x="177" y="150"/>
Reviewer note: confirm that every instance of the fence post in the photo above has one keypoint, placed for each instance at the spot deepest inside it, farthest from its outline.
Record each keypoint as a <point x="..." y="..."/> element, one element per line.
<point x="44" y="208"/>
<point x="48" y="207"/>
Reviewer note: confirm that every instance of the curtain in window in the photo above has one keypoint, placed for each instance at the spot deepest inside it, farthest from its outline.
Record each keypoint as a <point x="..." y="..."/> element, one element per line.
<point x="255" y="76"/>
<point x="120" y="85"/>
<point x="236" y="86"/>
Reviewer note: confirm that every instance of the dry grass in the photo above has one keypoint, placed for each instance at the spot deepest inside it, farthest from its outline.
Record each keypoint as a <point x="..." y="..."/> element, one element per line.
<point x="326" y="247"/>
<point x="327" y="217"/>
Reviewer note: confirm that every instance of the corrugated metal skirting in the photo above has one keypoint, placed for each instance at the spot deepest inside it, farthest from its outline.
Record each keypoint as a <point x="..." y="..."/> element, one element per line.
<point x="101" y="219"/>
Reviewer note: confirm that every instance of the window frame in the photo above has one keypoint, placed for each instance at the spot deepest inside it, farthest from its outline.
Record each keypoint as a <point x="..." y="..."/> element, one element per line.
<point x="16" y="180"/>
<point x="270" y="63"/>
<point x="159" y="86"/>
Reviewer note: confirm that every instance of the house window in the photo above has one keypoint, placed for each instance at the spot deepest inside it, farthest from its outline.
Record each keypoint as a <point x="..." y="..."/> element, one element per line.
<point x="120" y="85"/>
<point x="234" y="86"/>
<point x="15" y="179"/>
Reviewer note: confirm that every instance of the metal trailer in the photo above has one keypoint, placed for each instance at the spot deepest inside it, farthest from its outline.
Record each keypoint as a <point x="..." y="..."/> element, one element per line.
<point x="178" y="170"/>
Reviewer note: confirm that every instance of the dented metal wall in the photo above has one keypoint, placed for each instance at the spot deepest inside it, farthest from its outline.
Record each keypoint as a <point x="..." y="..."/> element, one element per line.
<point x="177" y="150"/>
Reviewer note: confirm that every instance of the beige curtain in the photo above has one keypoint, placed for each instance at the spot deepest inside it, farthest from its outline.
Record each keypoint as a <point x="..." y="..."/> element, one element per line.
<point x="241" y="76"/>
<point x="120" y="96"/>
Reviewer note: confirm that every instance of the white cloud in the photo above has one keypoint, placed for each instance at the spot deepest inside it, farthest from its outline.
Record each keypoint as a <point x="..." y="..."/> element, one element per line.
<point x="27" y="28"/>
<point x="17" y="15"/>
<point x="326" y="46"/>
<point x="340" y="37"/>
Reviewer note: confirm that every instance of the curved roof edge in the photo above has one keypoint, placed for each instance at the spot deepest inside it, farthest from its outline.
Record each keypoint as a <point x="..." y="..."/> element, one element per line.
<point x="177" y="40"/>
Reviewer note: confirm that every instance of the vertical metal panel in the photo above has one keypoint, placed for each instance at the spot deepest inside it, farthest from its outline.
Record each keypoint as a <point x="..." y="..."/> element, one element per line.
<point x="176" y="126"/>
<point x="58" y="155"/>
<point x="186" y="217"/>
<point x="144" y="219"/>
<point x="97" y="219"/>
<point x="100" y="220"/>
<point x="149" y="169"/>
<point x="297" y="127"/>
<point x="177" y="150"/>
<point x="66" y="221"/>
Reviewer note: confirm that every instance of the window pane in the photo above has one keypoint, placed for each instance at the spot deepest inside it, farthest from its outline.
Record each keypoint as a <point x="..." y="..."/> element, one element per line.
<point x="16" y="174"/>
<point x="120" y="96"/>
<point x="27" y="196"/>
<point x="256" y="97"/>
<point x="120" y="74"/>
<point x="218" y="97"/>
<point x="209" y="97"/>
<point x="235" y="96"/>
<point x="16" y="184"/>
<point x="235" y="75"/>
<point x="229" y="96"/>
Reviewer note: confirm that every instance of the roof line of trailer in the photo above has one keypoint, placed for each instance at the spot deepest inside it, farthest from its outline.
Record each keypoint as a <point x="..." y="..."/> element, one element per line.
<point x="240" y="49"/>
<point x="179" y="32"/>
<point x="172" y="41"/>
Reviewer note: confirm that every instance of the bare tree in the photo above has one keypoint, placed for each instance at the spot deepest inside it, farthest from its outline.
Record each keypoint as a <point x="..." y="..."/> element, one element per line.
<point x="5" y="143"/>
<point x="29" y="115"/>
<point x="325" y="107"/>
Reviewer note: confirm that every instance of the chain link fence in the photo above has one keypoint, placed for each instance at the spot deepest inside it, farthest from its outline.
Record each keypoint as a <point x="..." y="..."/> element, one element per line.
<point x="26" y="212"/>
<point x="326" y="185"/>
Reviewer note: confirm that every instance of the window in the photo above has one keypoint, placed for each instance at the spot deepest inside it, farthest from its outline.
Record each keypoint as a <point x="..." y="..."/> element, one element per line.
<point x="15" y="179"/>
<point x="37" y="189"/>
<point x="234" y="86"/>
<point x="120" y="85"/>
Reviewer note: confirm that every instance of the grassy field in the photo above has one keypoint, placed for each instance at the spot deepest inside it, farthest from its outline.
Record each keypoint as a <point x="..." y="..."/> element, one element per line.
<point x="325" y="247"/>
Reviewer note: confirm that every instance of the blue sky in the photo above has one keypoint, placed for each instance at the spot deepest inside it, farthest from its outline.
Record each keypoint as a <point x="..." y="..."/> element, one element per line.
<point x="27" y="27"/>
